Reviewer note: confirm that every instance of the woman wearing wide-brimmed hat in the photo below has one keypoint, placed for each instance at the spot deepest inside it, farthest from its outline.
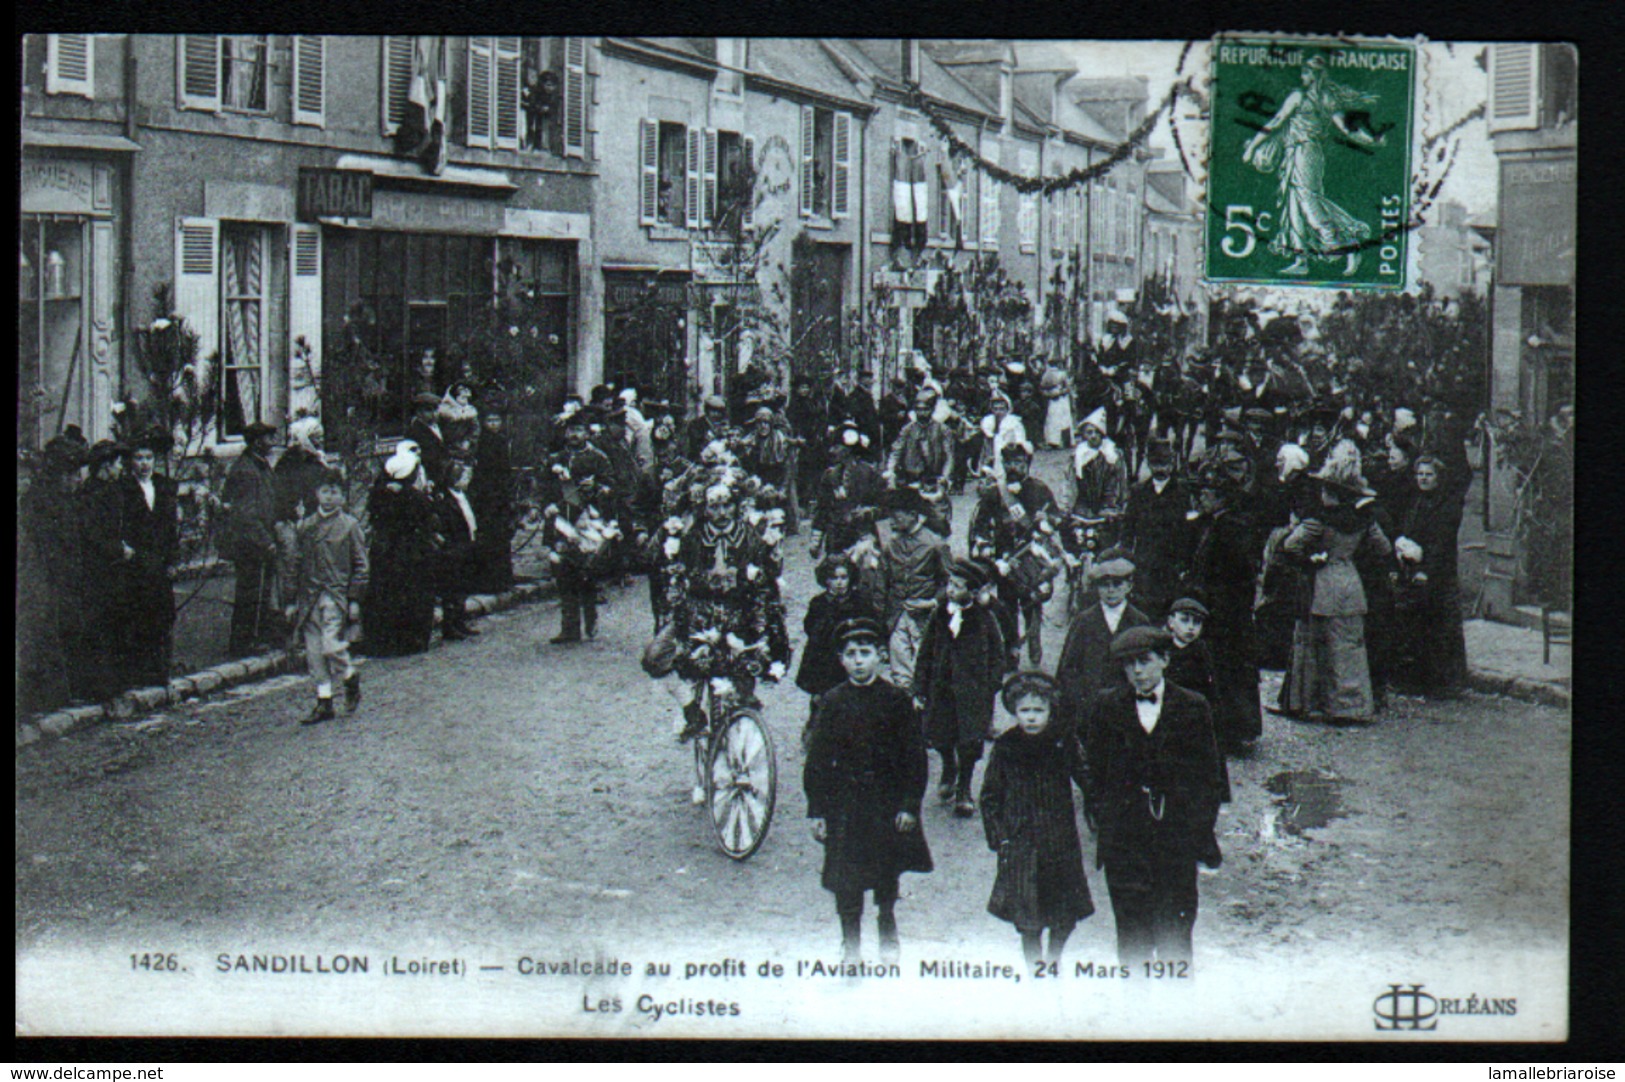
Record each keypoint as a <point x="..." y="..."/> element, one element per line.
<point x="1330" y="676"/>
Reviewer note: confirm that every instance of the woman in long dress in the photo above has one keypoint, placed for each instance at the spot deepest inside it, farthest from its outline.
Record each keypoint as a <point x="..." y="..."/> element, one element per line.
<point x="1330" y="675"/>
<point x="1057" y="389"/>
<point x="1433" y="646"/>
<point x="1311" y="226"/>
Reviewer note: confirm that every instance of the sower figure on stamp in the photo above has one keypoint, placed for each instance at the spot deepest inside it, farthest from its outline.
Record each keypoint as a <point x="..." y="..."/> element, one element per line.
<point x="1155" y="784"/>
<point x="865" y="777"/>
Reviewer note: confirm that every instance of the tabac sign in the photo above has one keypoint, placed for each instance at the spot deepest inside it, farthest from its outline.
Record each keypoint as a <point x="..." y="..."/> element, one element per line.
<point x="334" y="193"/>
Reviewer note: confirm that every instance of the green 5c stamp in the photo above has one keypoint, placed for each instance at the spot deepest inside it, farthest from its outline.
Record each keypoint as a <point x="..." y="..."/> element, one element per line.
<point x="1309" y="170"/>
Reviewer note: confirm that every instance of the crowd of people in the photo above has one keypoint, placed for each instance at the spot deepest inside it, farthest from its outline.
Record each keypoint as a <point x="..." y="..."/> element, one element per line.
<point x="100" y="549"/>
<point x="1222" y="536"/>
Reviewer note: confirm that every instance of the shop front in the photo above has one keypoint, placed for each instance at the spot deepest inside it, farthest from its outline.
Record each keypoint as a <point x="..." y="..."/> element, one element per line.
<point x="434" y="289"/>
<point x="646" y="333"/>
<point x="68" y="260"/>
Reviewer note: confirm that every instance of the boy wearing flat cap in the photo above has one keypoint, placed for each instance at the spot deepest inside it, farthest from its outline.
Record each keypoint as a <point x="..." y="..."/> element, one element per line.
<point x="1085" y="666"/>
<point x="865" y="777"/>
<point x="1155" y="785"/>
<point x="961" y="661"/>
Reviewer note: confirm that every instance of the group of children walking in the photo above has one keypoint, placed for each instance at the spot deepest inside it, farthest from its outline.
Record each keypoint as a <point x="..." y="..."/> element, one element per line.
<point x="1126" y="720"/>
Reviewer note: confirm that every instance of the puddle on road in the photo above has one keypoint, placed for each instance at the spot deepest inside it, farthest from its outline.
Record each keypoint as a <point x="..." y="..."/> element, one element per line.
<point x="1308" y="799"/>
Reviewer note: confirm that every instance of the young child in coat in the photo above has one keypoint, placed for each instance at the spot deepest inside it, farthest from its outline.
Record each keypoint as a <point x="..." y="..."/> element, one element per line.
<point x="1190" y="666"/>
<point x="328" y="569"/>
<point x="962" y="660"/>
<point x="841" y="600"/>
<point x="1028" y="816"/>
<point x="865" y="777"/>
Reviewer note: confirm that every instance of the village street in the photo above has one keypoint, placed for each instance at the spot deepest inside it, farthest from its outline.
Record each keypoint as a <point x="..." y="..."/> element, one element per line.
<point x="502" y="794"/>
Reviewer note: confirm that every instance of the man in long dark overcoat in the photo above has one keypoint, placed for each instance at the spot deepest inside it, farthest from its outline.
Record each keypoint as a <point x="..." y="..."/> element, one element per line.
<point x="251" y="543"/>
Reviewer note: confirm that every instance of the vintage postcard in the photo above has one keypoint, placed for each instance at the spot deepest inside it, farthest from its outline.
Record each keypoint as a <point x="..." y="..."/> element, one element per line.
<point x="779" y="537"/>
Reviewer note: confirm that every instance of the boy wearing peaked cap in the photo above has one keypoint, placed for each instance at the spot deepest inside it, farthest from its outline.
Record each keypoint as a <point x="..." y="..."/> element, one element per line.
<point x="1085" y="666"/>
<point x="326" y="565"/>
<point x="961" y="661"/>
<point x="864" y="778"/>
<point x="1155" y="785"/>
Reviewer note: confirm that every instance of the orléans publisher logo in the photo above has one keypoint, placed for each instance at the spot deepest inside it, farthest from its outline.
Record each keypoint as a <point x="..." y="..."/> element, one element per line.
<point x="1405" y="1006"/>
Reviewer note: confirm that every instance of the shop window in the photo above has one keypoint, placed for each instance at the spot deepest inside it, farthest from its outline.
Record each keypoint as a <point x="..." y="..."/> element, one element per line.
<point x="51" y="333"/>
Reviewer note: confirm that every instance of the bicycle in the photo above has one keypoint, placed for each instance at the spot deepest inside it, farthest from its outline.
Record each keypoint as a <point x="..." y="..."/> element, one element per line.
<point x="735" y="766"/>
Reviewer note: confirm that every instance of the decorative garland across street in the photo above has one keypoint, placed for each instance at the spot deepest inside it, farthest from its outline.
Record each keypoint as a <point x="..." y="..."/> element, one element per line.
<point x="1048" y="185"/>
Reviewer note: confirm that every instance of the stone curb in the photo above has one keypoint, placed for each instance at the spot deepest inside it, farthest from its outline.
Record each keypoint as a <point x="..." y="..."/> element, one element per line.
<point x="1518" y="687"/>
<point x="138" y="701"/>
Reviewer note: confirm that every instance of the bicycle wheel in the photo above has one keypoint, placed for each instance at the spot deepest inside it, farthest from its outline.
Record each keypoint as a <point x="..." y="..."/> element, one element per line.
<point x="742" y="785"/>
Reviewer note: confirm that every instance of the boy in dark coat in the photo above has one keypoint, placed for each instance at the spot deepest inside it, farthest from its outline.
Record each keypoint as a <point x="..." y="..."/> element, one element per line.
<point x="1085" y="666"/>
<point x="1155" y="784"/>
<point x="865" y="776"/>
<point x="842" y="600"/>
<point x="956" y="679"/>
<point x="1028" y="817"/>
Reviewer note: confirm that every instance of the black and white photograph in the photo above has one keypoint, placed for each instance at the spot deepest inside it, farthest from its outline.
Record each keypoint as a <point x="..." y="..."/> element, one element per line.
<point x="792" y="537"/>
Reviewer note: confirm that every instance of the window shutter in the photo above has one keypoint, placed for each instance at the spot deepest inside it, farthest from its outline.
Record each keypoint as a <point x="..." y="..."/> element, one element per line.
<point x="649" y="175"/>
<point x="397" y="80"/>
<point x="70" y="64"/>
<point x="708" y="179"/>
<point x="479" y="92"/>
<point x="305" y="301"/>
<point x="197" y="279"/>
<point x="808" y="127"/>
<point x="990" y="196"/>
<point x="575" y="97"/>
<point x="1027" y="213"/>
<point x="198" y="57"/>
<point x="309" y="79"/>
<point x="841" y="202"/>
<point x="749" y="215"/>
<point x="691" y="190"/>
<point x="1514" y="86"/>
<point x="508" y="58"/>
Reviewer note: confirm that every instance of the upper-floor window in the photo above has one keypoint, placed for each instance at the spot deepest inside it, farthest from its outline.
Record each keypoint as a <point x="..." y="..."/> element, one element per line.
<point x="70" y="64"/>
<point x="225" y="72"/>
<point x="493" y="92"/>
<point x="826" y="163"/>
<point x="663" y="158"/>
<point x="731" y="57"/>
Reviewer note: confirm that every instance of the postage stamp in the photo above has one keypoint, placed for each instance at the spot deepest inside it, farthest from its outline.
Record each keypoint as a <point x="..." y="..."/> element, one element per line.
<point x="1310" y="162"/>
